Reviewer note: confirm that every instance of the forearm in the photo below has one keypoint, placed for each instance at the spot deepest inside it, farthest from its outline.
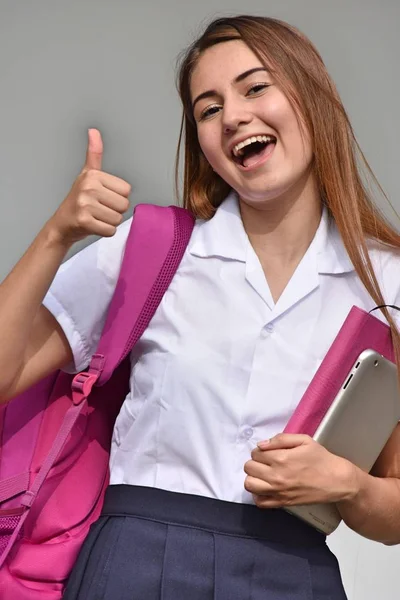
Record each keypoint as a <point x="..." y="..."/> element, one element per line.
<point x="373" y="510"/>
<point x="21" y="295"/>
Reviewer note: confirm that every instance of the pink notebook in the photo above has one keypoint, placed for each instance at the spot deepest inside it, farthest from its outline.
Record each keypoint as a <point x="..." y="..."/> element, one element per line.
<point x="360" y="331"/>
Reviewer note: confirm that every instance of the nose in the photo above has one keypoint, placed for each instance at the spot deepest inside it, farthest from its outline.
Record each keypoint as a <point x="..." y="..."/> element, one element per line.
<point x="234" y="114"/>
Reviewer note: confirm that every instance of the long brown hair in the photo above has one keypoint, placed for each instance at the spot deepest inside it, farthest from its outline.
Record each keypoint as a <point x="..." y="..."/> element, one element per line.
<point x="299" y="70"/>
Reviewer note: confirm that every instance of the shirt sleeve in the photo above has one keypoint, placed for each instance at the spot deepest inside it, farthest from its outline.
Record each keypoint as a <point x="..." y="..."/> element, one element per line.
<point x="389" y="280"/>
<point x="82" y="291"/>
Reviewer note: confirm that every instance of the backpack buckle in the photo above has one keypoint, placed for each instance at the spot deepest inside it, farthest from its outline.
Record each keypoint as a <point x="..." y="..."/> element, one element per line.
<point x="82" y="385"/>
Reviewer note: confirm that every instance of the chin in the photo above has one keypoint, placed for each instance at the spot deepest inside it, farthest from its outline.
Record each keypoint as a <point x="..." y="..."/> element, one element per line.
<point x="267" y="192"/>
<point x="261" y="195"/>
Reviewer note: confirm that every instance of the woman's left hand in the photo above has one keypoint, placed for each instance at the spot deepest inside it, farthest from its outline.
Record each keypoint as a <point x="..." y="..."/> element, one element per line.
<point x="293" y="469"/>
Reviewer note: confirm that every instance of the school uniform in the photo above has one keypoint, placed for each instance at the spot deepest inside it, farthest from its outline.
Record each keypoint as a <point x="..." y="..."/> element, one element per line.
<point x="220" y="367"/>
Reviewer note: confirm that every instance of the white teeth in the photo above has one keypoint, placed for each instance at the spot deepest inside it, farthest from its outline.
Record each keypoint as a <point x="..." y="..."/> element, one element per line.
<point x="238" y="149"/>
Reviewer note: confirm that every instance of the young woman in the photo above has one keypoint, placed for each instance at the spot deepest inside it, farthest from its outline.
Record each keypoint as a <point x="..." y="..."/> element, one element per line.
<point x="285" y="243"/>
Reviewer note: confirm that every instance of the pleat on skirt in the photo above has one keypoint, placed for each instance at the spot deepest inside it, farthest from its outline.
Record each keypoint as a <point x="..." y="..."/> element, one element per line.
<point x="151" y="544"/>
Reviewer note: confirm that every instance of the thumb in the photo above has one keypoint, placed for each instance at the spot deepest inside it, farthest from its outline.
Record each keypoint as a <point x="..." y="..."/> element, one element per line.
<point x="94" y="154"/>
<point x="284" y="441"/>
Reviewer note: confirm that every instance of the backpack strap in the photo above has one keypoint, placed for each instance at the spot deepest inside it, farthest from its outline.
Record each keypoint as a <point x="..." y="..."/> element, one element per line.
<point x="155" y="247"/>
<point x="156" y="243"/>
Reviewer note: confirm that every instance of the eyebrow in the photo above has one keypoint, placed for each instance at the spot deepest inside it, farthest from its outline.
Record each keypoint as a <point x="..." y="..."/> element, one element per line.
<point x="238" y="79"/>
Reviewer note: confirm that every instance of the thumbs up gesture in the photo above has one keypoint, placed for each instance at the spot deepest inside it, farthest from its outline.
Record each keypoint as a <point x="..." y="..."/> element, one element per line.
<point x="96" y="202"/>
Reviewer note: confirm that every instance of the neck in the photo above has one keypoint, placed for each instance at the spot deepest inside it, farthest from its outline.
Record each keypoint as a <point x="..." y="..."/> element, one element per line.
<point x="281" y="230"/>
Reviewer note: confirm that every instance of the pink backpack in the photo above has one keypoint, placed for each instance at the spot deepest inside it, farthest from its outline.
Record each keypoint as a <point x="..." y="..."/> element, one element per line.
<point x="55" y="437"/>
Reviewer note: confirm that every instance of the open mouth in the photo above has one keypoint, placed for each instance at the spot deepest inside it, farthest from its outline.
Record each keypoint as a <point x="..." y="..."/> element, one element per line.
<point x="252" y="150"/>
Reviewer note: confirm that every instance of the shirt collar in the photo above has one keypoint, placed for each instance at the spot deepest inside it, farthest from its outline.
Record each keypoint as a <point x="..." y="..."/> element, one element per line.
<point x="332" y="257"/>
<point x="224" y="236"/>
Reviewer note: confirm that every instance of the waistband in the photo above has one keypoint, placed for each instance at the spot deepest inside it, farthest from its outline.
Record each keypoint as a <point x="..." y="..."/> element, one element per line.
<point x="218" y="516"/>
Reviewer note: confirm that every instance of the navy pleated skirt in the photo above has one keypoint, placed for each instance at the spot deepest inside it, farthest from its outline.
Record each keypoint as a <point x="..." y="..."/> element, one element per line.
<point x="152" y="544"/>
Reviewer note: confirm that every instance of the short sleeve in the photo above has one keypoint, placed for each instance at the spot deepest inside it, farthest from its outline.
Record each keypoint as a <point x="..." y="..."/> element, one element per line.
<point x="387" y="268"/>
<point x="392" y="276"/>
<point x="82" y="291"/>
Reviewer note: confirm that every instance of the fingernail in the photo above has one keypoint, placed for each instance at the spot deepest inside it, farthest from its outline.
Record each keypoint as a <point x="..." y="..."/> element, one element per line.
<point x="263" y="445"/>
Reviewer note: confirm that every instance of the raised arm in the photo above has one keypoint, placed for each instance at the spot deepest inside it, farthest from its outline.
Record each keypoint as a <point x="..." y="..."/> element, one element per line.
<point x="32" y="342"/>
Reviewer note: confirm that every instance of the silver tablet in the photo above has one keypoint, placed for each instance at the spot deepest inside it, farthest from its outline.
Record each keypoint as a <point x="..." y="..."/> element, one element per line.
<point x="357" y="425"/>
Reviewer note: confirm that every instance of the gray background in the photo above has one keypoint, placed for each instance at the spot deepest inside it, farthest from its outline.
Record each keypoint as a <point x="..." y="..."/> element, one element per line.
<point x="66" y="66"/>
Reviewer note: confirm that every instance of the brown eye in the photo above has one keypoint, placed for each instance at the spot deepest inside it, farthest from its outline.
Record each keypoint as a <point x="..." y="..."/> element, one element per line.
<point x="258" y="87"/>
<point x="209" y="112"/>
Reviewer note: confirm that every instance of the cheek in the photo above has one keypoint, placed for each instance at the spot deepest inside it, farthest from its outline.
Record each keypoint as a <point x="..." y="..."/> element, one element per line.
<point x="301" y="146"/>
<point x="295" y="139"/>
<point x="210" y="146"/>
<point x="276" y="111"/>
<point x="281" y="116"/>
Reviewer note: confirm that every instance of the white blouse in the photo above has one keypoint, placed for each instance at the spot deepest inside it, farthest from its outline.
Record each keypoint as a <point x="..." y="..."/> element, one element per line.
<point x="221" y="366"/>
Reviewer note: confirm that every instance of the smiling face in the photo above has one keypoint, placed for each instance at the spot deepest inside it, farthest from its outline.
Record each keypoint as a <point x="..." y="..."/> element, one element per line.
<point x="247" y="128"/>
